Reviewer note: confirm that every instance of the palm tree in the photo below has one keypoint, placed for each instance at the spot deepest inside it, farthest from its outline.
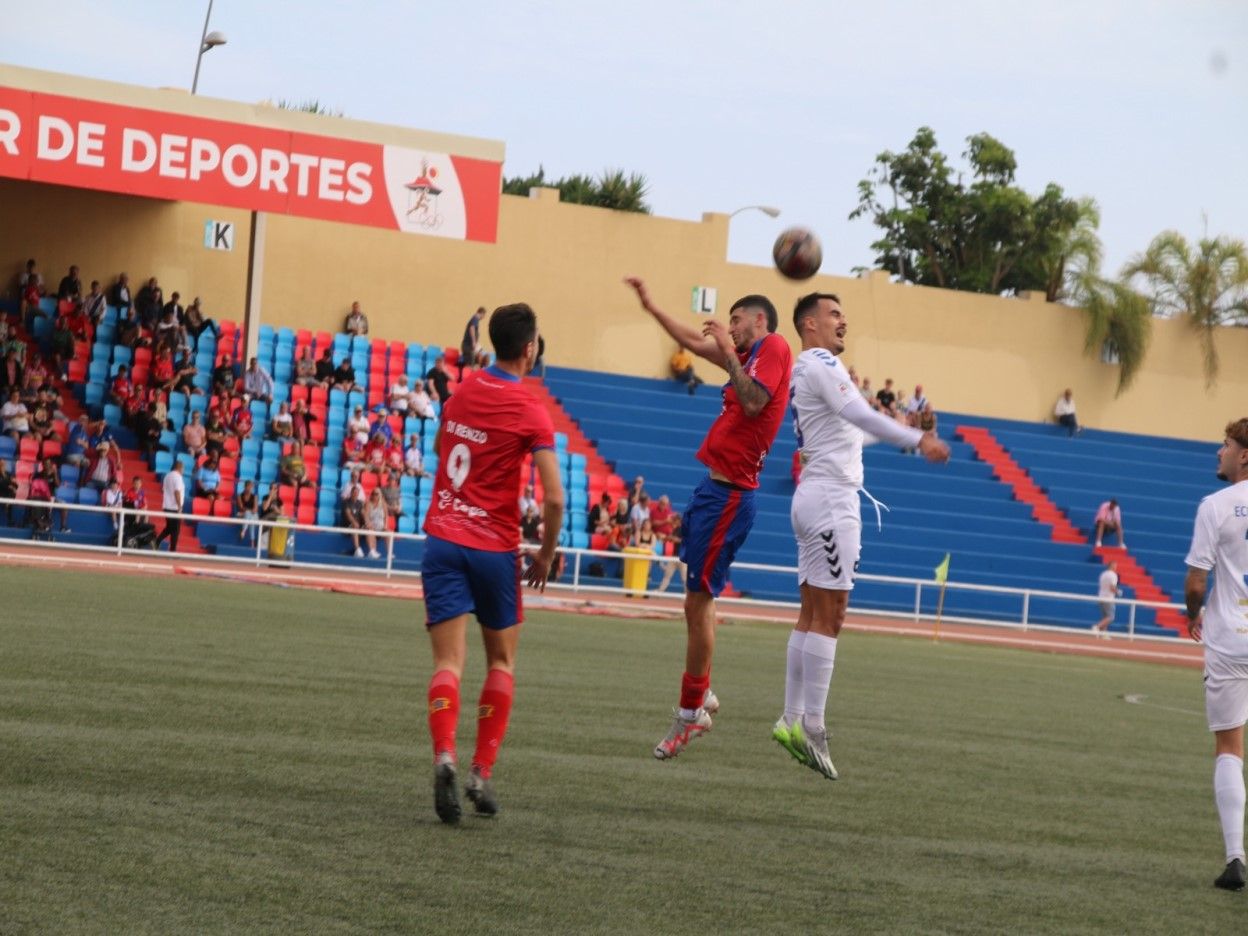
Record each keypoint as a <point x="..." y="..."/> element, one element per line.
<point x="1076" y="255"/>
<point x="1208" y="283"/>
<point x="1117" y="317"/>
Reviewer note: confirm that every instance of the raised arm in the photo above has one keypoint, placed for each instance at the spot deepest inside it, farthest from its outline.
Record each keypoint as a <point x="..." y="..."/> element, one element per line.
<point x="701" y="345"/>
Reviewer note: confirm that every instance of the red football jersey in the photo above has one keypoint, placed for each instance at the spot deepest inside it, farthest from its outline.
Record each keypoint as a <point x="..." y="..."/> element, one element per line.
<point x="736" y="444"/>
<point x="489" y="425"/>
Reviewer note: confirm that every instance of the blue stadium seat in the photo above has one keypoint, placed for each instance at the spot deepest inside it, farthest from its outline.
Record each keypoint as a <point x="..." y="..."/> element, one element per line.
<point x="248" y="469"/>
<point x="268" y="472"/>
<point x="89" y="496"/>
<point x="8" y="448"/>
<point x="122" y="355"/>
<point x="406" y="525"/>
<point x="325" y="516"/>
<point x="270" y="451"/>
<point x="265" y="333"/>
<point x="286" y="336"/>
<point x="94" y="395"/>
<point x="164" y="461"/>
<point x="112" y="414"/>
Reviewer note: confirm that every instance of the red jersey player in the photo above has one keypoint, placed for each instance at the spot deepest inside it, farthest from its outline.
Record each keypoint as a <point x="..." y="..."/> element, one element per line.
<point x="471" y="562"/>
<point x="721" y="510"/>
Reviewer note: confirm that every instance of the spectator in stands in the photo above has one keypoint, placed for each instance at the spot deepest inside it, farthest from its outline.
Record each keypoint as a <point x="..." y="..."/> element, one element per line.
<point x="374" y="521"/>
<point x="635" y="492"/>
<point x="305" y="370"/>
<point x="147" y="429"/>
<point x="353" y="509"/>
<point x="223" y="376"/>
<point x="1064" y="411"/>
<point x="620" y="536"/>
<point x="94" y="304"/>
<point x="162" y="374"/>
<point x="292" y="468"/>
<point x="119" y="295"/>
<point x="1107" y="590"/>
<point x="682" y="369"/>
<point x="103" y="465"/>
<point x="396" y="459"/>
<point x="53" y="474"/>
<point x="644" y="536"/>
<point x="1109" y="520"/>
<point x="247" y="506"/>
<point x="621" y="516"/>
<point x="196" y="323"/>
<point x="927" y="419"/>
<point x="208" y="479"/>
<point x="344" y="376"/>
<point x="12" y="374"/>
<point x="356" y="322"/>
<point x="527" y="500"/>
<point x="438" y="380"/>
<point x="175" y="307"/>
<point x="215" y="433"/>
<point x="599" y="519"/>
<point x="358" y="425"/>
<point x="375" y="452"/>
<point x="138" y="533"/>
<point x="353" y="454"/>
<point x="15" y="416"/>
<point x="148" y="303"/>
<point x="36" y="372"/>
<point x="380" y="425"/>
<point x="915" y="405"/>
<point x="129" y="328"/>
<point x="258" y="382"/>
<point x="470" y="349"/>
<point x="670" y="568"/>
<point x="887" y="398"/>
<point x="100" y="432"/>
<point x="76" y="443"/>
<point x="400" y="395"/>
<point x="282" y="426"/>
<point x="641" y="511"/>
<point x="419" y="404"/>
<point x="114" y="498"/>
<point x="325" y="369"/>
<point x="30" y="309"/>
<point x="168" y="331"/>
<point x="301" y="419"/>
<point x="271" y="505"/>
<point x="184" y="373"/>
<point x="242" y="423"/>
<point x="414" y="459"/>
<point x="30" y="277"/>
<point x="661" y="514"/>
<point x="8" y="489"/>
<point x="39" y="518"/>
<point x="392" y="495"/>
<point x="71" y="285"/>
<point x="194" y="436"/>
<point x="531" y="524"/>
<point x="868" y="394"/>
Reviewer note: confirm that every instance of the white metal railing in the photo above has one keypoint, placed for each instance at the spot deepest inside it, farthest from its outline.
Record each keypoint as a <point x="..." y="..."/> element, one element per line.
<point x="575" y="566"/>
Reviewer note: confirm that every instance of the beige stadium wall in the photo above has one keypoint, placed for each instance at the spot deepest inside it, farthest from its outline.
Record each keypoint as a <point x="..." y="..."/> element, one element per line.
<point x="978" y="354"/>
<point x="106" y="234"/>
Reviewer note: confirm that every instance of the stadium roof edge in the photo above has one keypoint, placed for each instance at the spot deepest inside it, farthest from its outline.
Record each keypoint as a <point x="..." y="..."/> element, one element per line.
<point x="261" y="115"/>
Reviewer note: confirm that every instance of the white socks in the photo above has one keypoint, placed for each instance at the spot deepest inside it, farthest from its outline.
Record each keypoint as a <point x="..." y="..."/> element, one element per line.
<point x="1228" y="793"/>
<point x="793" y="678"/>
<point x="818" y="656"/>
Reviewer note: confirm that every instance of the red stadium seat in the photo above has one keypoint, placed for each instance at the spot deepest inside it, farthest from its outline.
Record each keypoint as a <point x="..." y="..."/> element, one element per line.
<point x="288" y="493"/>
<point x="303" y="337"/>
<point x="376" y="397"/>
<point x="221" y="507"/>
<point x="229" y="469"/>
<point x="138" y="374"/>
<point x="77" y="371"/>
<point x="298" y="393"/>
<point x="142" y="355"/>
<point x="598" y="541"/>
<point x="390" y="525"/>
<point x="379" y="347"/>
<point x="231" y="445"/>
<point x="306" y="514"/>
<point x="28" y="449"/>
<point x="51" y="448"/>
<point x="200" y="507"/>
<point x="317" y="431"/>
<point x="323" y="340"/>
<point x="318" y="397"/>
<point x="452" y="356"/>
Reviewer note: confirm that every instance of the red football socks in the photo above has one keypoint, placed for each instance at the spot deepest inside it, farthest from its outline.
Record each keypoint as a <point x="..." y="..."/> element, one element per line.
<point x="693" y="690"/>
<point x="492" y="714"/>
<point x="443" y="711"/>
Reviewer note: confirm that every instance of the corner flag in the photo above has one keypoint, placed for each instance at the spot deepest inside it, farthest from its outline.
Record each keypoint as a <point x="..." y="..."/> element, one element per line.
<point x="942" y="570"/>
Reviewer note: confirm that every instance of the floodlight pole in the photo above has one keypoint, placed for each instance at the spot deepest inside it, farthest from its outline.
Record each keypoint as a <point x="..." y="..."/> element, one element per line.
<point x="203" y="47"/>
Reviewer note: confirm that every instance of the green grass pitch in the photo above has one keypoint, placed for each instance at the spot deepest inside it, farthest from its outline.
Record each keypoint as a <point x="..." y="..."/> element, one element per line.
<point x="209" y="757"/>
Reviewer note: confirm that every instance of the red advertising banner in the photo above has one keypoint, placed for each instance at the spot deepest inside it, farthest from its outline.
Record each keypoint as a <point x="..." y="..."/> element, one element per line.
<point x="158" y="154"/>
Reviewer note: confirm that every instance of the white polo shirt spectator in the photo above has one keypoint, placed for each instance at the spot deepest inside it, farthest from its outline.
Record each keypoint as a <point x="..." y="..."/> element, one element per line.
<point x="400" y="395"/>
<point x="173" y="490"/>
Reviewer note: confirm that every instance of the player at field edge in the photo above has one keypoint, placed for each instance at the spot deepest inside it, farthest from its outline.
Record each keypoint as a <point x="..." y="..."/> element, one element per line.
<point x="471" y="562"/>
<point x="831" y="421"/>
<point x="721" y="509"/>
<point x="1220" y="545"/>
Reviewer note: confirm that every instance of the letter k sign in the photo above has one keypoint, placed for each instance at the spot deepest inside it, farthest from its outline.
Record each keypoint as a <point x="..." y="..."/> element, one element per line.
<point x="219" y="235"/>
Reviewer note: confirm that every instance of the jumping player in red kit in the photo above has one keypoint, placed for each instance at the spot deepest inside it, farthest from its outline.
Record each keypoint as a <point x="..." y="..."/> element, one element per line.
<point x="721" y="510"/>
<point x="471" y="562"/>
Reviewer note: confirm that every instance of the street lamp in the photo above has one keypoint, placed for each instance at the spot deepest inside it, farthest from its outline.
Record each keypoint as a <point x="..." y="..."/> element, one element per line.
<point x="207" y="40"/>
<point x="765" y="209"/>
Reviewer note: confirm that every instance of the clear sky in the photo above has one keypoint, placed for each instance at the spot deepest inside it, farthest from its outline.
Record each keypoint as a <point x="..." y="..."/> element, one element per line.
<point x="1142" y="104"/>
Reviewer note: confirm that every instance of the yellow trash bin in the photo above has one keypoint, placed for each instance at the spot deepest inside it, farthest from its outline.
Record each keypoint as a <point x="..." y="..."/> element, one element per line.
<point x="637" y="569"/>
<point x="279" y="538"/>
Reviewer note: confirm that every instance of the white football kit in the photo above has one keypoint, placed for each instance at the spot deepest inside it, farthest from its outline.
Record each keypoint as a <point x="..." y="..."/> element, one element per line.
<point x="829" y="418"/>
<point x="1220" y="546"/>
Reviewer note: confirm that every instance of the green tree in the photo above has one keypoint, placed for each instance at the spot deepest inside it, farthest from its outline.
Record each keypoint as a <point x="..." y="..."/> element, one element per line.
<point x="613" y="189"/>
<point x="309" y="106"/>
<point x="987" y="236"/>
<point x="1207" y="282"/>
<point x="1116" y="316"/>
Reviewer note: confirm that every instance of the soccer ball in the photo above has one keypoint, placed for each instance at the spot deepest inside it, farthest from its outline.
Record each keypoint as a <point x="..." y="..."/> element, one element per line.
<point x="797" y="254"/>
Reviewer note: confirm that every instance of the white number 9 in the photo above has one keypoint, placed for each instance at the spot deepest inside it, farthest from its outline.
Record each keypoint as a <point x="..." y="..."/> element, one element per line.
<point x="458" y="465"/>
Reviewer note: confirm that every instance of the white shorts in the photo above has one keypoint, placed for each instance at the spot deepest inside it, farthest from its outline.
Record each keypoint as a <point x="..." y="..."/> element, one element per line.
<point x="1226" y="692"/>
<point x="827" y="521"/>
